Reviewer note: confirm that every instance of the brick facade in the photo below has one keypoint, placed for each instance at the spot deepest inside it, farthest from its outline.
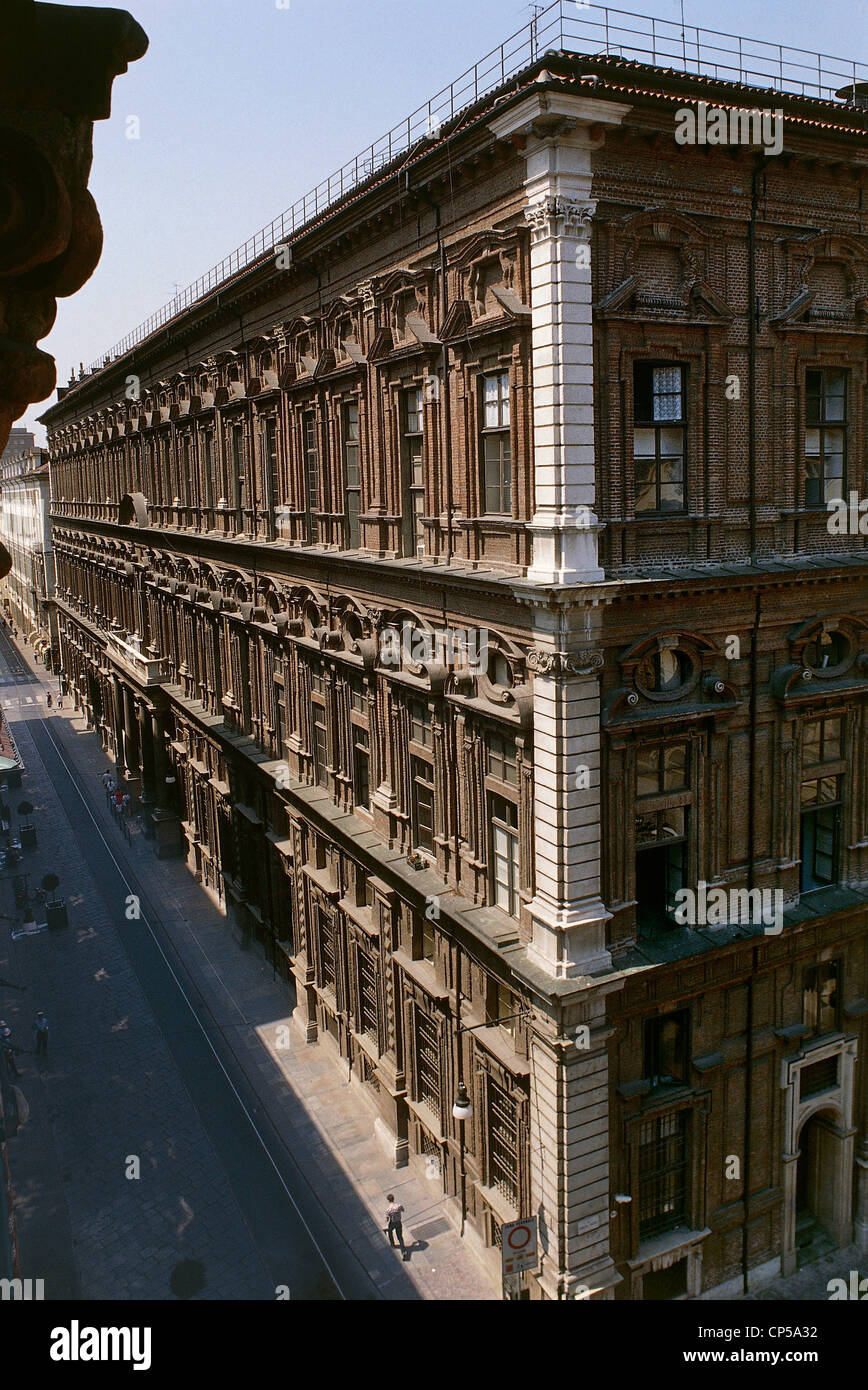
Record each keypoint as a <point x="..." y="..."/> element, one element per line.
<point x="431" y="420"/>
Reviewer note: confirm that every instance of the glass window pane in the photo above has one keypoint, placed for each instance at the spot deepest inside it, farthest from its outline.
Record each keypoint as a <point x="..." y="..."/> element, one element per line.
<point x="831" y="740"/>
<point x="643" y="444"/>
<point x="834" y="396"/>
<point x="675" y="767"/>
<point x="672" y="497"/>
<point x="672" y="444"/>
<point x="667" y="393"/>
<point x="811" y="742"/>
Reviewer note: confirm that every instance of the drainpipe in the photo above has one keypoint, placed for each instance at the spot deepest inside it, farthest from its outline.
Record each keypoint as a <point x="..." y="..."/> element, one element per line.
<point x="751" y="875"/>
<point x="444" y="359"/>
<point x="752" y="322"/>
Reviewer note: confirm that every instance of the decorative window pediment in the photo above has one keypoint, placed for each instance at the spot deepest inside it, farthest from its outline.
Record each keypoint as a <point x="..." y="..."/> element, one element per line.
<point x="668" y="676"/>
<point x="489" y="280"/>
<point x="661" y="268"/>
<point x="827" y="283"/>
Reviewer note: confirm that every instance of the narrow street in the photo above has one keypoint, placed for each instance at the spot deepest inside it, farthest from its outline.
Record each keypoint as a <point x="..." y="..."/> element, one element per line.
<point x="143" y="1150"/>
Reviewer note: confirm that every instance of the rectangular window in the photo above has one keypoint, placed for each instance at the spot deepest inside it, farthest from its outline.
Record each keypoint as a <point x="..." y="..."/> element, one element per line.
<point x="361" y="767"/>
<point x="368" y="1007"/>
<point x="412" y="470"/>
<point x="502" y="760"/>
<point x="659" y="437"/>
<point x="187" y="471"/>
<point x="327" y="950"/>
<point x="427" y="940"/>
<point x="207" y="438"/>
<point x="662" y="1173"/>
<point x="420" y="724"/>
<point x="821" y="997"/>
<point x="270" y="461"/>
<point x="496" y="445"/>
<point x="818" y="1077"/>
<point x="820" y="826"/>
<point x="427" y="1062"/>
<point x="502" y="1142"/>
<point x="311" y="476"/>
<point x="239" y="480"/>
<point x="660" y="857"/>
<point x="280" y="726"/>
<point x="423" y="804"/>
<point x="320" y="746"/>
<point x="825" y="436"/>
<point x="666" y="1049"/>
<point x="661" y="770"/>
<point x="500" y="1006"/>
<point x="352" y="477"/>
<point x="503" y="818"/>
<point x="821" y="742"/>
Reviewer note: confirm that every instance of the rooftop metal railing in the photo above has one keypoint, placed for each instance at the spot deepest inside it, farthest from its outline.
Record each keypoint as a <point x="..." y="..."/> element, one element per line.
<point x="566" y="26"/>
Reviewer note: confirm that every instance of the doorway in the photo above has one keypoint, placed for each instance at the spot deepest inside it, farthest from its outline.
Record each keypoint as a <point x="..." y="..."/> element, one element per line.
<point x="816" y="1187"/>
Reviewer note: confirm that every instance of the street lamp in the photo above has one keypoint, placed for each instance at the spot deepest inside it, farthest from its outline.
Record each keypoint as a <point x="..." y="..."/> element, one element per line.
<point x="462" y="1109"/>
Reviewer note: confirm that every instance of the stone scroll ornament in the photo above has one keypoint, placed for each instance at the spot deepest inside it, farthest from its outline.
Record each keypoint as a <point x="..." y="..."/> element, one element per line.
<point x="57" y="66"/>
<point x="564" y="664"/>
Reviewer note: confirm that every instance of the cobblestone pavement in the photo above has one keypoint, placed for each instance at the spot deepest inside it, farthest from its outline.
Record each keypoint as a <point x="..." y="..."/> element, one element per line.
<point x="107" y="1091"/>
<point x="318" y="1114"/>
<point x="812" y="1280"/>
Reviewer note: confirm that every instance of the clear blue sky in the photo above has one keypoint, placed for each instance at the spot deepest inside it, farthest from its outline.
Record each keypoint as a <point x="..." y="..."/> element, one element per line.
<point x="244" y="106"/>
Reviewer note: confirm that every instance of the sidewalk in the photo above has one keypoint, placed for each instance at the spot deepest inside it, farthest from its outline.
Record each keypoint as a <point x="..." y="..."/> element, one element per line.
<point x="322" y="1116"/>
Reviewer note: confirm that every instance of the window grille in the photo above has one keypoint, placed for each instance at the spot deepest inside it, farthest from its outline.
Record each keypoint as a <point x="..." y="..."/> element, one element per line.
<point x="819" y="1076"/>
<point x="662" y="1173"/>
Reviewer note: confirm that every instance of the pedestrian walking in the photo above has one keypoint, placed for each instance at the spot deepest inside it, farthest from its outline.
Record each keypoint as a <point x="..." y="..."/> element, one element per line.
<point x="40" y="1030"/>
<point x="394" y="1213"/>
<point x="48" y="700"/>
<point x="126" y="803"/>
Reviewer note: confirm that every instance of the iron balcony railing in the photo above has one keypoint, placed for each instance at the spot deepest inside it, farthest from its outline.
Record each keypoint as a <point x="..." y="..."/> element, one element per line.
<point x="562" y="26"/>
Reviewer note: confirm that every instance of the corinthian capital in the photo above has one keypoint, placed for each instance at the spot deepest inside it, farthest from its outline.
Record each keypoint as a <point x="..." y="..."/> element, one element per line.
<point x="559" y="216"/>
<point x="563" y="664"/>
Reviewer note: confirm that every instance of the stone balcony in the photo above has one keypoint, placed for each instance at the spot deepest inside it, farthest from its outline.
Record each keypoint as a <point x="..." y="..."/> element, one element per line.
<point x="148" y="668"/>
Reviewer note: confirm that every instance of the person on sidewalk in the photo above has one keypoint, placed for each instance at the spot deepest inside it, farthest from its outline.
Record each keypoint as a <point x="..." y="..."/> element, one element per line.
<point x="394" y="1213"/>
<point x="48" y="700"/>
<point x="8" y="1050"/>
<point x="40" y="1029"/>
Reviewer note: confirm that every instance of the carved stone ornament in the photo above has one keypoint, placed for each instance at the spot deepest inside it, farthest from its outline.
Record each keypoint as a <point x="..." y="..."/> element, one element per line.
<point x="560" y="664"/>
<point x="57" y="65"/>
<point x="575" y="217"/>
<point x="365" y="291"/>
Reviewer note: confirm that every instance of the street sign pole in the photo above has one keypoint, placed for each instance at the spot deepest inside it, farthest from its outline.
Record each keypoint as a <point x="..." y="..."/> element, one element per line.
<point x="519" y="1252"/>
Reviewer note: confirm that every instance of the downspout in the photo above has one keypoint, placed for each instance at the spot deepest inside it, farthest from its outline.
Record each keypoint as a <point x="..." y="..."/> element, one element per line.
<point x="753" y="315"/>
<point x="751" y="875"/>
<point x="446" y="455"/>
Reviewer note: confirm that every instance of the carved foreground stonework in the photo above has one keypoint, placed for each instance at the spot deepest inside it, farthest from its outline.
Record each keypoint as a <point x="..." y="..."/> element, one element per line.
<point x="57" y="65"/>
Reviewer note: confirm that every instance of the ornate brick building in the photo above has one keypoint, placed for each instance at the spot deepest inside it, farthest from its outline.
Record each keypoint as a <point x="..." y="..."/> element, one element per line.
<point x="25" y="523"/>
<point x="454" y="581"/>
